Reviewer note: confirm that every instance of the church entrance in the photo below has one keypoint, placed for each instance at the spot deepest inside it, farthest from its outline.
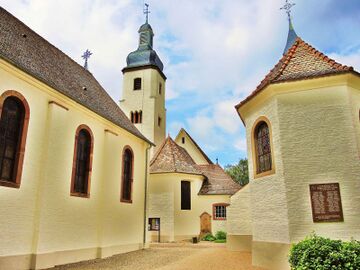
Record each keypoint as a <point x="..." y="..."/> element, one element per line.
<point x="205" y="224"/>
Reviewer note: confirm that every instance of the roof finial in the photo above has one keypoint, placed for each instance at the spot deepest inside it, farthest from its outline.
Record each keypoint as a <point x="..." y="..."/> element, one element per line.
<point x="287" y="7"/>
<point x="86" y="56"/>
<point x="146" y="11"/>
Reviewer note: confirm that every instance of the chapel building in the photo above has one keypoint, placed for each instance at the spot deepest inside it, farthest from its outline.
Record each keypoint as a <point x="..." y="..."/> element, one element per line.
<point x="303" y="139"/>
<point x="73" y="168"/>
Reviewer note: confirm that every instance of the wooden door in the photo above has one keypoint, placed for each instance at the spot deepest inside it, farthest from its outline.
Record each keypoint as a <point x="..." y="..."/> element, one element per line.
<point x="205" y="224"/>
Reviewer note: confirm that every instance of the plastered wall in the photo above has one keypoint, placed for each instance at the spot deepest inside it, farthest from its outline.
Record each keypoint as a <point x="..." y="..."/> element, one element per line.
<point x="41" y="216"/>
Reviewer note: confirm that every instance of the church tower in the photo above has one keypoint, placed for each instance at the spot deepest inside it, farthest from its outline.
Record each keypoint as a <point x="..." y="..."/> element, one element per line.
<point x="143" y="97"/>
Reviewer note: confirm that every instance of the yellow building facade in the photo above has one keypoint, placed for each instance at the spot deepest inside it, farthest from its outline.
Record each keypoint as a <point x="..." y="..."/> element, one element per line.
<point x="302" y="125"/>
<point x="45" y="220"/>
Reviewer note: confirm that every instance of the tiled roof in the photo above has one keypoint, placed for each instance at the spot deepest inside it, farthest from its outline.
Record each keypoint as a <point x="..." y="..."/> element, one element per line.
<point x="218" y="182"/>
<point x="172" y="158"/>
<point x="22" y="47"/>
<point x="197" y="146"/>
<point x="300" y="62"/>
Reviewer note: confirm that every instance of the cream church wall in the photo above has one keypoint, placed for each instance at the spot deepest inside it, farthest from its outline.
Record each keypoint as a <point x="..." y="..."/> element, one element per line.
<point x="41" y="216"/>
<point x="148" y="100"/>
<point x="190" y="147"/>
<point x="326" y="153"/>
<point x="239" y="225"/>
<point x="165" y="202"/>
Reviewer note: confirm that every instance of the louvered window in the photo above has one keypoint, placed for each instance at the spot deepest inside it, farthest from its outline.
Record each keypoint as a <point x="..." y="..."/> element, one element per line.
<point x="137" y="84"/>
<point x="185" y="195"/>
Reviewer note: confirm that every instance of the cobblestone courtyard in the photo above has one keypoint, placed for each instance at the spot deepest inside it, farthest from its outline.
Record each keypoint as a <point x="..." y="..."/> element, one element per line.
<point x="182" y="256"/>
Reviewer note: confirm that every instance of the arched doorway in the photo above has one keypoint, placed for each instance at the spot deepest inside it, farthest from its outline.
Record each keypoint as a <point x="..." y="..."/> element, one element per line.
<point x="205" y="224"/>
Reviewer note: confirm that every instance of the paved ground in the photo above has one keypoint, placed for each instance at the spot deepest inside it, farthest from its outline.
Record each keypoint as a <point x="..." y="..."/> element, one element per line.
<point x="183" y="256"/>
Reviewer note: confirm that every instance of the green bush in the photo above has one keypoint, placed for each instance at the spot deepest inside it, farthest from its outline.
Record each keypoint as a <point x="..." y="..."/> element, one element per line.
<point x="319" y="253"/>
<point x="220" y="241"/>
<point x="209" y="237"/>
<point x="220" y="235"/>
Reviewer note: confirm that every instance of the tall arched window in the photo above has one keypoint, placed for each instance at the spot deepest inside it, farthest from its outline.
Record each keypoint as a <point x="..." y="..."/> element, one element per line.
<point x="82" y="164"/>
<point x="127" y="175"/>
<point x="263" y="148"/>
<point x="137" y="84"/>
<point x="262" y="153"/>
<point x="14" y="122"/>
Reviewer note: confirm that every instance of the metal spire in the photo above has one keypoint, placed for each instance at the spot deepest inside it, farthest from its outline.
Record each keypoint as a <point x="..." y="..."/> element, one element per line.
<point x="146" y="11"/>
<point x="86" y="56"/>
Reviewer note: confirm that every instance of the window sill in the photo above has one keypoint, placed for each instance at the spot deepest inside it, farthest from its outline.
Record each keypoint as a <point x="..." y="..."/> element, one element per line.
<point x="259" y="175"/>
<point x="9" y="184"/>
<point x="125" y="201"/>
<point x="219" y="218"/>
<point x="81" y="195"/>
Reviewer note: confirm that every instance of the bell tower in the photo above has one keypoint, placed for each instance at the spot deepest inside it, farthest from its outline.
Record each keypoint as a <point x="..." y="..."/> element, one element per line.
<point x="143" y="98"/>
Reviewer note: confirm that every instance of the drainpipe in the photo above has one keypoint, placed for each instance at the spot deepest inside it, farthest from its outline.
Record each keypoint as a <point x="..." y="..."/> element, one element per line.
<point x="145" y="193"/>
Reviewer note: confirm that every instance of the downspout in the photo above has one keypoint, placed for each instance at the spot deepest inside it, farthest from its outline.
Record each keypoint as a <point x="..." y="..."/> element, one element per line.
<point x="145" y="193"/>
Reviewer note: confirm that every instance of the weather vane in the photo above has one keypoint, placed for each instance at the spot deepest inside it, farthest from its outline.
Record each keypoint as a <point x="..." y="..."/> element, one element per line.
<point x="86" y="56"/>
<point x="146" y="11"/>
<point x="287" y="7"/>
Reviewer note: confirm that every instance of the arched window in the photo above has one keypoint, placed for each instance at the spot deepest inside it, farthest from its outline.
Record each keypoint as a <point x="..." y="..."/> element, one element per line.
<point x="127" y="175"/>
<point x="82" y="164"/>
<point x="140" y="117"/>
<point x="136" y="117"/>
<point x="14" y="122"/>
<point x="137" y="84"/>
<point x="132" y="117"/>
<point x="262" y="144"/>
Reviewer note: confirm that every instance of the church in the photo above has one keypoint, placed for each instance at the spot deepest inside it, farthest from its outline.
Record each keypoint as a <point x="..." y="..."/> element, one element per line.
<point x="303" y="145"/>
<point x="74" y="165"/>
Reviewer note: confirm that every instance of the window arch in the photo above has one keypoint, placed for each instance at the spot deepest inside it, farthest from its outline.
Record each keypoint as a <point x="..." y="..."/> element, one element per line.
<point x="82" y="163"/>
<point x="262" y="148"/>
<point x="127" y="175"/>
<point x="137" y="84"/>
<point x="15" y="114"/>
<point x="136" y="117"/>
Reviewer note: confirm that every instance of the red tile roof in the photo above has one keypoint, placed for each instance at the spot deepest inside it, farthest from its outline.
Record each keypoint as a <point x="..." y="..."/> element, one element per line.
<point x="300" y="62"/>
<point x="218" y="182"/>
<point x="172" y="158"/>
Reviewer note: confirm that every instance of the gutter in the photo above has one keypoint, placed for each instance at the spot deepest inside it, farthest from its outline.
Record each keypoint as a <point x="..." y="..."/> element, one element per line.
<point x="145" y="193"/>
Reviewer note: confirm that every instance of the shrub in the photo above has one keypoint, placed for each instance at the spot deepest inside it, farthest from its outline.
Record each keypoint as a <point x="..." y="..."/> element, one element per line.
<point x="209" y="237"/>
<point x="319" y="253"/>
<point x="220" y="235"/>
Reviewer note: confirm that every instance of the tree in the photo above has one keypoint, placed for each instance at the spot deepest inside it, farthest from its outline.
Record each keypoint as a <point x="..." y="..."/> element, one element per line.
<point x="239" y="172"/>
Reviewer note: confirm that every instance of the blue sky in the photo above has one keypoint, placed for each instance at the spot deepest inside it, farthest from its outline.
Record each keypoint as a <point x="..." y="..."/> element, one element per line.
<point x="214" y="52"/>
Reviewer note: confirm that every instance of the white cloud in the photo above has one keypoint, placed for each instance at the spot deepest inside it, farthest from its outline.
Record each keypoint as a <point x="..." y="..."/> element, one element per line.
<point x="240" y="144"/>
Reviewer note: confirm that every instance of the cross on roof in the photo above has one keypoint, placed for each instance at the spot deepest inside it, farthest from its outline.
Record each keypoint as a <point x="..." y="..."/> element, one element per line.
<point x="86" y="56"/>
<point x="287" y="7"/>
<point x="146" y="11"/>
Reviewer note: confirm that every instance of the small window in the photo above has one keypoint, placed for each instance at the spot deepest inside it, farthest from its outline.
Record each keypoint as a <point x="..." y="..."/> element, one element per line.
<point x="183" y="140"/>
<point x="159" y="121"/>
<point x="80" y="183"/>
<point x="136" y="117"/>
<point x="263" y="148"/>
<point x="219" y="211"/>
<point x="185" y="195"/>
<point x="127" y="175"/>
<point x="137" y="84"/>
<point x="160" y="88"/>
<point x="140" y="117"/>
<point x="132" y="117"/>
<point x="13" y="129"/>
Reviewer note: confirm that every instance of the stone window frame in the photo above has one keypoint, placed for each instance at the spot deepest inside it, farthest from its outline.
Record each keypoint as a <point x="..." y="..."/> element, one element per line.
<point x="72" y="185"/>
<point x="22" y="144"/>
<point x="122" y="199"/>
<point x="258" y="121"/>
<point x="214" y="211"/>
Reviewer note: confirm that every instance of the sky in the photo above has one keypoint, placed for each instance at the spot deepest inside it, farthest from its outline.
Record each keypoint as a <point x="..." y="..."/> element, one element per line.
<point x="214" y="52"/>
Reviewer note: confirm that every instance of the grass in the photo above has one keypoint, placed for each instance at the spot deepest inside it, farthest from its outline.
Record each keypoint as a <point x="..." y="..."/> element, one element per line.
<point x="220" y="241"/>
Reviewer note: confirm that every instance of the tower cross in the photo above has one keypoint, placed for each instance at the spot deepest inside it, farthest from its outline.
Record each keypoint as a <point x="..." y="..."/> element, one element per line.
<point x="146" y="12"/>
<point x="86" y="56"/>
<point x="287" y="7"/>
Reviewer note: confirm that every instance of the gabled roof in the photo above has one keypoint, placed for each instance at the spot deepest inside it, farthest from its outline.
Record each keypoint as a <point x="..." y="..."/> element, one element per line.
<point x="28" y="51"/>
<point x="196" y="145"/>
<point x="300" y="62"/>
<point x="218" y="182"/>
<point x="171" y="158"/>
